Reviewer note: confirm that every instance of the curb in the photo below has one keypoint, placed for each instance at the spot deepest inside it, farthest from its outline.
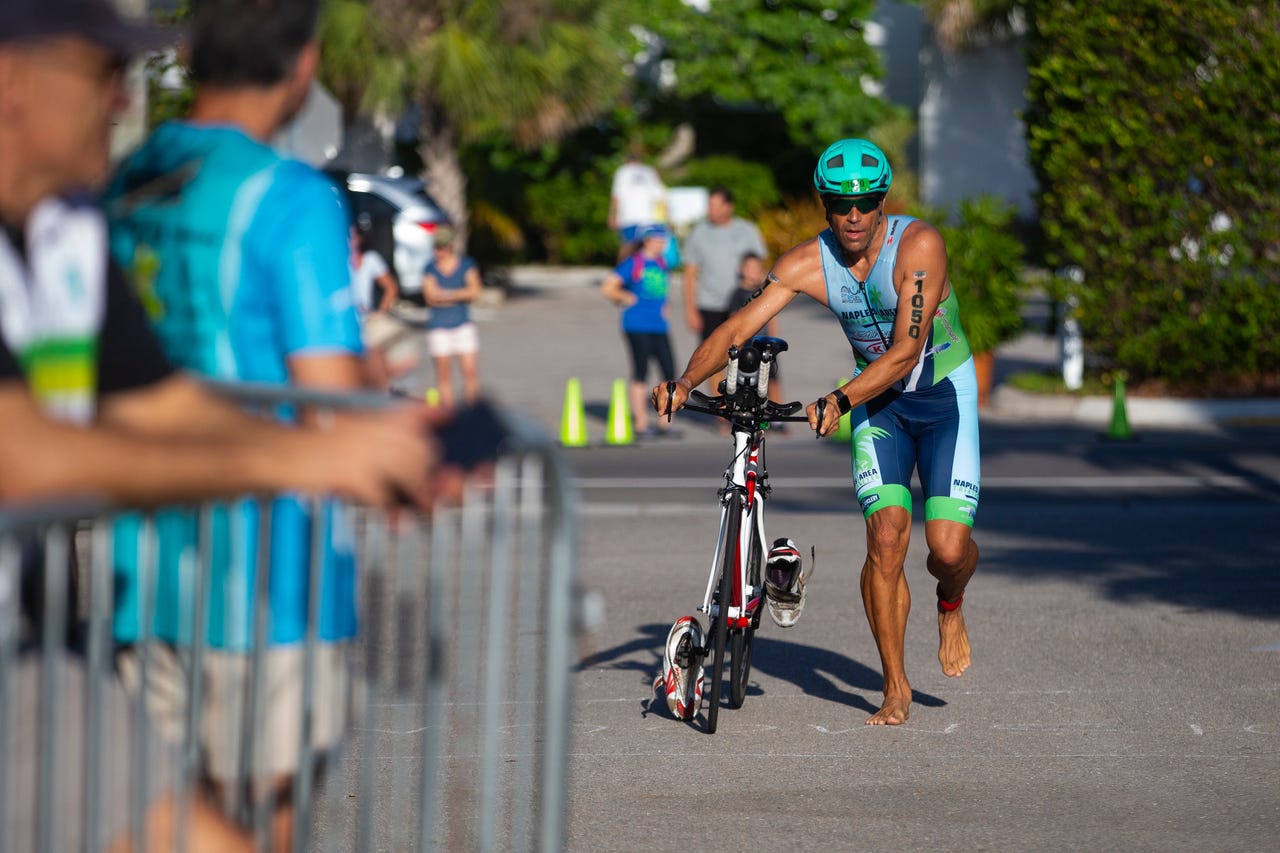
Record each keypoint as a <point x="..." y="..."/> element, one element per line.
<point x="1009" y="404"/>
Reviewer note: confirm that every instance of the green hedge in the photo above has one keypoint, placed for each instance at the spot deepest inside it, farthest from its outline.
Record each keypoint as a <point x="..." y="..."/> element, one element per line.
<point x="984" y="265"/>
<point x="1155" y="135"/>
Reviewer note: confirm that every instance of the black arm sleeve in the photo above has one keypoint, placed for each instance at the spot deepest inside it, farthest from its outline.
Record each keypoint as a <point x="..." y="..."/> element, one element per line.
<point x="129" y="354"/>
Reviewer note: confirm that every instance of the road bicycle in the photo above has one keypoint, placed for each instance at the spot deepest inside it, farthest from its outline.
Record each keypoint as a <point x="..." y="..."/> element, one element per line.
<point x="734" y="596"/>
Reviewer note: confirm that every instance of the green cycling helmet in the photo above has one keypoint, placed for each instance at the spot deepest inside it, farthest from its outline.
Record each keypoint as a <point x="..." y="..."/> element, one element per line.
<point x="852" y="167"/>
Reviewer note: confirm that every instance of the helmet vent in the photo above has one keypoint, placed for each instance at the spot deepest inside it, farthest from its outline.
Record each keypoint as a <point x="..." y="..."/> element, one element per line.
<point x="836" y="162"/>
<point x="869" y="162"/>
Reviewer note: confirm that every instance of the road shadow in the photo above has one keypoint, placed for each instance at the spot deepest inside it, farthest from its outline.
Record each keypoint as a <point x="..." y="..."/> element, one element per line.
<point x="815" y="671"/>
<point x="824" y="673"/>
<point x="1197" y="548"/>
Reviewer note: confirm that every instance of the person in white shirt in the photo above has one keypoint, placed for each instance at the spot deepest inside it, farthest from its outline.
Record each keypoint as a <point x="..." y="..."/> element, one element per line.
<point x="638" y="199"/>
<point x="390" y="348"/>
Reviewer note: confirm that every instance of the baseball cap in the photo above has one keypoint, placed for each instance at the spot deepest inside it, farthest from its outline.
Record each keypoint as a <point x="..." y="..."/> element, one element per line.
<point x="95" y="20"/>
<point x="652" y="231"/>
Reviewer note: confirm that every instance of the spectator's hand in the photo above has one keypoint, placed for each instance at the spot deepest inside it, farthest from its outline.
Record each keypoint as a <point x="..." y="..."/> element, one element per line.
<point x="381" y="459"/>
<point x="694" y="319"/>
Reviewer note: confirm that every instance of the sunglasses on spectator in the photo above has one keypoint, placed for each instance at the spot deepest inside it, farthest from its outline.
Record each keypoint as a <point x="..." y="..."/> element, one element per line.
<point x="840" y="205"/>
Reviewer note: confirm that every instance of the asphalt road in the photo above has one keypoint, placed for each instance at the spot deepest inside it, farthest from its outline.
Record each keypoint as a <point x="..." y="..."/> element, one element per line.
<point x="1125" y="622"/>
<point x="1126" y="644"/>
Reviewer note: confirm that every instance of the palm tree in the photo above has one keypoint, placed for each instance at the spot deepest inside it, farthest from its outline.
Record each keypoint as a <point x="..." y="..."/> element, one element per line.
<point x="534" y="69"/>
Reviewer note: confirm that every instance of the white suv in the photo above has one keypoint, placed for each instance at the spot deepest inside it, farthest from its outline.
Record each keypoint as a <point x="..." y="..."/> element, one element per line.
<point x="398" y="218"/>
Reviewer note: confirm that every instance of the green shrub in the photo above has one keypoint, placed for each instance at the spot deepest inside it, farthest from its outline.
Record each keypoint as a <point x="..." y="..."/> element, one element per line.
<point x="984" y="264"/>
<point x="571" y="213"/>
<point x="1154" y="137"/>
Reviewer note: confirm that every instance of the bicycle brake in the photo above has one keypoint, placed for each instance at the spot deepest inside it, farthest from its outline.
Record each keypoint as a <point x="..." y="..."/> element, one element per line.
<point x="671" y="389"/>
<point x="822" y="414"/>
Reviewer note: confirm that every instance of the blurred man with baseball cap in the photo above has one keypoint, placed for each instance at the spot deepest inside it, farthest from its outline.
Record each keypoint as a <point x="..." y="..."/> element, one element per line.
<point x="61" y="68"/>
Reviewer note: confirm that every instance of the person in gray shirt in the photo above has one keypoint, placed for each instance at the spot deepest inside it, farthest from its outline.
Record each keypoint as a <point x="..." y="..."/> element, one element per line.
<point x="711" y="257"/>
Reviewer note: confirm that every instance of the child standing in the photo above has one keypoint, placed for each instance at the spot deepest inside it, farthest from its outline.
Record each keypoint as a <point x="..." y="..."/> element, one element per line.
<point x="639" y="285"/>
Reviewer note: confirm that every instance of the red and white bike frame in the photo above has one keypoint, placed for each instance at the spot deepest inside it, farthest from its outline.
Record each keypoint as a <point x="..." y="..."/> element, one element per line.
<point x="743" y="478"/>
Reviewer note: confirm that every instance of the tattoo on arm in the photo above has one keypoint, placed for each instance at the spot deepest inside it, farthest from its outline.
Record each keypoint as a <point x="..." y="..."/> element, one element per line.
<point x="759" y="291"/>
<point x="917" y="305"/>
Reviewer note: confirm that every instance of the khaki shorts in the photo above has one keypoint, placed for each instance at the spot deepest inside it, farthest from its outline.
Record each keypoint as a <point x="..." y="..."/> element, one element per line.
<point x="276" y="743"/>
<point x="460" y="340"/>
<point x="394" y="337"/>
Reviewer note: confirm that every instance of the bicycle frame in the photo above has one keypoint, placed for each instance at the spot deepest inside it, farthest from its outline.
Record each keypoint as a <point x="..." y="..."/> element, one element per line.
<point x="746" y="476"/>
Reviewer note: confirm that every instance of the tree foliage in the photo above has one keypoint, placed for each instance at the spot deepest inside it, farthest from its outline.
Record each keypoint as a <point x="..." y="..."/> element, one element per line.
<point x="1155" y="135"/>
<point x="532" y="70"/>
<point x="805" y="59"/>
<point x="984" y="265"/>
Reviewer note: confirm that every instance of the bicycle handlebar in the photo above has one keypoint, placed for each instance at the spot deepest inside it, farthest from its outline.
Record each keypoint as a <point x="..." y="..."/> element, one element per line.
<point x="753" y="359"/>
<point x="729" y="408"/>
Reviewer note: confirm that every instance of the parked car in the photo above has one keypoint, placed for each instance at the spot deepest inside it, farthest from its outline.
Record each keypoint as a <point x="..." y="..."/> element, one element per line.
<point x="398" y="218"/>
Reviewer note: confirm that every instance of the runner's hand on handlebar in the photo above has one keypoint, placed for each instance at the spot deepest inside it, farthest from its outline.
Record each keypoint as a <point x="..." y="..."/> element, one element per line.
<point x="669" y="397"/>
<point x="823" y="416"/>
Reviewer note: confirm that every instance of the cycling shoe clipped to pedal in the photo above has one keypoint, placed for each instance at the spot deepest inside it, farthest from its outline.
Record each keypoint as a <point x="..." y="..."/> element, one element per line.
<point x="785" y="577"/>
<point x="682" y="670"/>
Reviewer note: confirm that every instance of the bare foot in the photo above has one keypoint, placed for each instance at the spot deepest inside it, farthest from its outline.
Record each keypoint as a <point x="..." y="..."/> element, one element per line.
<point x="893" y="712"/>
<point x="953" y="643"/>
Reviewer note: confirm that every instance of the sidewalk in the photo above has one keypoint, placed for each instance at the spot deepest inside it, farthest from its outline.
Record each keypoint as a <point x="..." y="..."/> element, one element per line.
<point x="552" y="325"/>
<point x="1035" y="351"/>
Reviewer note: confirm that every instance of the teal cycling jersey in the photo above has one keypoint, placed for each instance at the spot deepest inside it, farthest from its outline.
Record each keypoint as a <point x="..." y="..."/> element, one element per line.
<point x="927" y="422"/>
<point x="240" y="257"/>
<point x="867" y="311"/>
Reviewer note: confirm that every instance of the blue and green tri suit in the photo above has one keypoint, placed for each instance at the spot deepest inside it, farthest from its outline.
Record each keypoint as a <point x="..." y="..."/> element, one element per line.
<point x="928" y="420"/>
<point x="240" y="257"/>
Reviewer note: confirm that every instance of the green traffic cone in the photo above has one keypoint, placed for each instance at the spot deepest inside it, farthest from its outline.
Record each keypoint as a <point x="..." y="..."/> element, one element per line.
<point x="573" y="423"/>
<point x="844" y="429"/>
<point x="1119" y="430"/>
<point x="620" y="430"/>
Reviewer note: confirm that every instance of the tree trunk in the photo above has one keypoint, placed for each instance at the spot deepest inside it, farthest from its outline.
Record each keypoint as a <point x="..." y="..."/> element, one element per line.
<point x="438" y="148"/>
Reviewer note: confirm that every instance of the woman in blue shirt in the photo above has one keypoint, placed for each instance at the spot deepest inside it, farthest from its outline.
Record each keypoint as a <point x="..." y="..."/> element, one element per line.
<point x="450" y="283"/>
<point x="639" y="286"/>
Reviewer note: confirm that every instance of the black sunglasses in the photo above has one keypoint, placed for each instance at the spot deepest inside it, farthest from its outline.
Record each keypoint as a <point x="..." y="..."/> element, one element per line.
<point x="840" y="205"/>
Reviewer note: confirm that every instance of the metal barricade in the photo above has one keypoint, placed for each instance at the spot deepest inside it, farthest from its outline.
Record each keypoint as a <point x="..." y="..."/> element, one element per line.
<point x="459" y="674"/>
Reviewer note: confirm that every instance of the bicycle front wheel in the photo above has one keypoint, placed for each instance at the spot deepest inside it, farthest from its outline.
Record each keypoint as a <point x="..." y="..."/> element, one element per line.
<point x="720" y="626"/>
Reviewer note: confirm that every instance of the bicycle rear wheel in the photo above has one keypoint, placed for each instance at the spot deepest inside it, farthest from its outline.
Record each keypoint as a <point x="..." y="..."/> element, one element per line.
<point x="720" y="625"/>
